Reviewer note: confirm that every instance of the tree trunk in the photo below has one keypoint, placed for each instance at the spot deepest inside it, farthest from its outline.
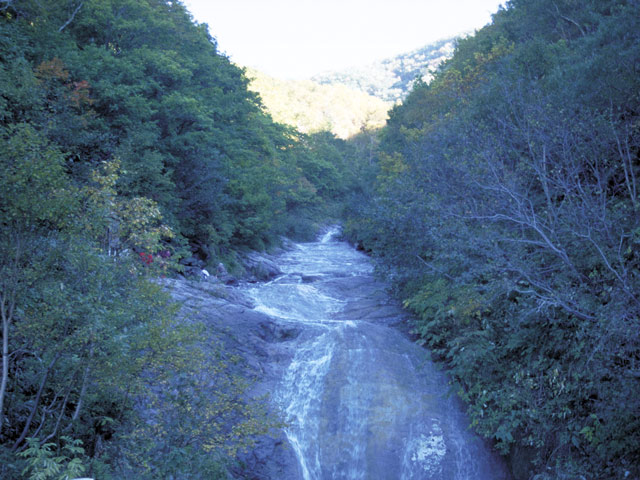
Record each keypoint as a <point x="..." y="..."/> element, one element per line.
<point x="36" y="402"/>
<point x="83" y="389"/>
<point x="5" y="358"/>
<point x="8" y="287"/>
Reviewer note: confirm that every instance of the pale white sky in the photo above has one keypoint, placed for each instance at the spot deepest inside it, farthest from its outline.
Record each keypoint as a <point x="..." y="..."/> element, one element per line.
<point x="299" y="38"/>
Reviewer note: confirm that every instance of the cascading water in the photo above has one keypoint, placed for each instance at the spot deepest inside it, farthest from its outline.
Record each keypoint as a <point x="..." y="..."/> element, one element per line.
<point x="362" y="401"/>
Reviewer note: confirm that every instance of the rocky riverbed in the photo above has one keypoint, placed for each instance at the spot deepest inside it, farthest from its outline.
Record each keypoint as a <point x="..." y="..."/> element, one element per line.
<point x="320" y="334"/>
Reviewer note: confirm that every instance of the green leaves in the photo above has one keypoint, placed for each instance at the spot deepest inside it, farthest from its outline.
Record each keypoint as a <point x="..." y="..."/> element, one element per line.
<point x="44" y="464"/>
<point x="34" y="187"/>
<point x="503" y="209"/>
<point x="124" y="138"/>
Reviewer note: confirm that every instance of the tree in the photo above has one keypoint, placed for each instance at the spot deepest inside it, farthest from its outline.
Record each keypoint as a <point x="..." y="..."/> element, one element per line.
<point x="505" y="208"/>
<point x="35" y="200"/>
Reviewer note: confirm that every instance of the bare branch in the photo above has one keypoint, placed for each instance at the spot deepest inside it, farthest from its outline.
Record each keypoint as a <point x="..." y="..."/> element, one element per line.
<point x="36" y="403"/>
<point x="5" y="5"/>
<point x="434" y="268"/>
<point x="552" y="298"/>
<point x="605" y="260"/>
<point x="530" y="224"/>
<point x="625" y="156"/>
<point x="73" y="15"/>
<point x="567" y="19"/>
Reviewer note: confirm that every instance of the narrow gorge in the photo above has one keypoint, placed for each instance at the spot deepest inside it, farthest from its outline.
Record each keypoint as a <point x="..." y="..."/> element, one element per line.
<point x="360" y="399"/>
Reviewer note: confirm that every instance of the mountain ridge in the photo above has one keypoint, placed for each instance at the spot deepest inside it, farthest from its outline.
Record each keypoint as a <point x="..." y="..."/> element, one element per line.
<point x="348" y="101"/>
<point x="391" y="78"/>
<point x="311" y="107"/>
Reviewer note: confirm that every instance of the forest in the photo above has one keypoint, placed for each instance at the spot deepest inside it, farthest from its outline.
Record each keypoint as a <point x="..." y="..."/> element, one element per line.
<point x="311" y="107"/>
<point x="128" y="144"/>
<point x="500" y="199"/>
<point x="504" y="204"/>
<point x="392" y="78"/>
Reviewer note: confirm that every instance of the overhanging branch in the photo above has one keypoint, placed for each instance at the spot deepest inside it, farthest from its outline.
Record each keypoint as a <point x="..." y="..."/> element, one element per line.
<point x="73" y="15"/>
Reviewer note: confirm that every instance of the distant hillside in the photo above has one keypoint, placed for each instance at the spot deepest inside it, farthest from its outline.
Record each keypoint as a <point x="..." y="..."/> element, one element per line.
<point x="344" y="102"/>
<point x="391" y="79"/>
<point x="311" y="107"/>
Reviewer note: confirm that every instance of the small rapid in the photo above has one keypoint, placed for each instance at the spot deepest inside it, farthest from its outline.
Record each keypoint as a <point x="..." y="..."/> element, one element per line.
<point x="360" y="399"/>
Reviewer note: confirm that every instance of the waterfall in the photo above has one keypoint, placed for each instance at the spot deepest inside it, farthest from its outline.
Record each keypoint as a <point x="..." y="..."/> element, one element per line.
<point x="361" y="400"/>
<point x="331" y="233"/>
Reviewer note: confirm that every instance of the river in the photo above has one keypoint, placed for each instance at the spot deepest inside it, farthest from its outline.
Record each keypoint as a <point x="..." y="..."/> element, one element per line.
<point x="362" y="401"/>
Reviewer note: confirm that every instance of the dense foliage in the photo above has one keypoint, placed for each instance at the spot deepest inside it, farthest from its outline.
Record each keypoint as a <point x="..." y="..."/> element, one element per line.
<point x="502" y="198"/>
<point x="313" y="108"/>
<point x="127" y="142"/>
<point x="506" y="208"/>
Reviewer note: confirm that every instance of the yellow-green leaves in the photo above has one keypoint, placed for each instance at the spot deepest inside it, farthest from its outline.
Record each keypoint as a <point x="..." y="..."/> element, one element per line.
<point x="122" y="222"/>
<point x="47" y="462"/>
<point x="34" y="187"/>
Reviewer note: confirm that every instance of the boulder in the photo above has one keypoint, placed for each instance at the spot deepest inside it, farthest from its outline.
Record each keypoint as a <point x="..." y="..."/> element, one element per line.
<point x="221" y="270"/>
<point x="260" y="267"/>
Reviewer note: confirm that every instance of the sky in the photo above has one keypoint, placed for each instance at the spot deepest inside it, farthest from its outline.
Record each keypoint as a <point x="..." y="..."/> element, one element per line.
<point x="299" y="38"/>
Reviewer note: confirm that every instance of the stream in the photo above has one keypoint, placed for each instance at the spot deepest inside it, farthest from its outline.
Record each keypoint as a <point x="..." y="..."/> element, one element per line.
<point x="362" y="401"/>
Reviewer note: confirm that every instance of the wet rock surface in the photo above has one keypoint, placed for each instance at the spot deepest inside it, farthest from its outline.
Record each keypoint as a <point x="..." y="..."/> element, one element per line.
<point x="267" y="347"/>
<point x="260" y="267"/>
<point x="324" y="339"/>
<point x="227" y="314"/>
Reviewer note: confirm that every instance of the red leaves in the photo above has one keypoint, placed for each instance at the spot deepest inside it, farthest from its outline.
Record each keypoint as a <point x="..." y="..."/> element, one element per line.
<point x="147" y="258"/>
<point x="76" y="93"/>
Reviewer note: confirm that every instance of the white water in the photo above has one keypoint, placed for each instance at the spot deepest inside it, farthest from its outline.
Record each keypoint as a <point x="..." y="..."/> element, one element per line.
<point x="362" y="401"/>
